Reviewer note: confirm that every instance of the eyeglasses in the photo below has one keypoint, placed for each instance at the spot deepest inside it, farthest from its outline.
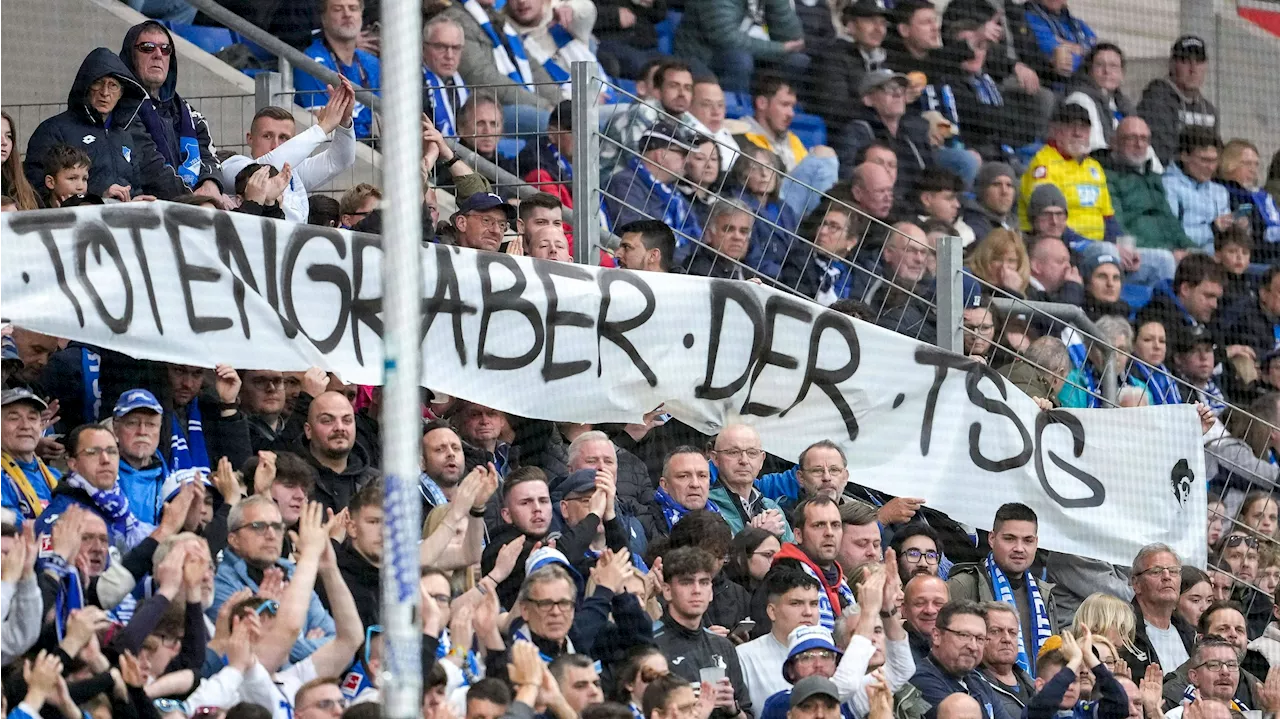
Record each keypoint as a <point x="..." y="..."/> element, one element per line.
<point x="816" y="655"/>
<point x="735" y="453"/>
<point x="326" y="705"/>
<point x="106" y="84"/>
<point x="445" y="47"/>
<point x="767" y="555"/>
<point x="488" y="222"/>
<point x="95" y="452"/>
<point x="1161" y="571"/>
<point x="146" y="48"/>
<point x="261" y="527"/>
<point x="1236" y="540"/>
<point x="546" y="605"/>
<point x="442" y="599"/>
<point x="833" y="471"/>
<point x="1217" y="665"/>
<point x="966" y="636"/>
<point x="915" y="555"/>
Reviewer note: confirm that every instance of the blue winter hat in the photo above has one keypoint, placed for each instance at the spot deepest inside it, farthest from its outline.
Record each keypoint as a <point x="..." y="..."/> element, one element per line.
<point x="807" y="638"/>
<point x="137" y="399"/>
<point x="546" y="556"/>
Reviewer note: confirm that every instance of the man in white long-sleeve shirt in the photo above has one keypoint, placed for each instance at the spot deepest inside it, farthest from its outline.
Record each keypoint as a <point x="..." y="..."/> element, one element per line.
<point x="272" y="142"/>
<point x="793" y="602"/>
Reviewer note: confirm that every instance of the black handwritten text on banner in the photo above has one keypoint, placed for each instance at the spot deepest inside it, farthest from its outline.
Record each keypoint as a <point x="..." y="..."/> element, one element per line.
<point x="572" y="343"/>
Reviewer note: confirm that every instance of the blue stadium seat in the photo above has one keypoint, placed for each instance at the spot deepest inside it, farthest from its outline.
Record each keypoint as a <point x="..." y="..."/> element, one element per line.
<point x="258" y="51"/>
<point x="209" y="39"/>
<point x="1136" y="296"/>
<point x="510" y="147"/>
<point x="810" y="129"/>
<point x="624" y="84"/>
<point x="667" y="31"/>
<point x="736" y="105"/>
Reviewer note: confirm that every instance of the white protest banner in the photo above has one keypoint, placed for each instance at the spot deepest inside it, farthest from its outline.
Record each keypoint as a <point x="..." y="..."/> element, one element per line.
<point x="567" y="342"/>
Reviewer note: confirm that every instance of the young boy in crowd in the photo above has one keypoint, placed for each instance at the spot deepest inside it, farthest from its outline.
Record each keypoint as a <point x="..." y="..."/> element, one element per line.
<point x="1233" y="248"/>
<point x="66" y="173"/>
<point x="1062" y="661"/>
<point x="938" y="196"/>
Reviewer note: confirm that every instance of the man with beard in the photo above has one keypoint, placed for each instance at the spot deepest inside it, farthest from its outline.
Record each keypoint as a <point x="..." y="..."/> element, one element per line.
<point x="1005" y="576"/>
<point x="328" y="444"/>
<point x="442" y="465"/>
<point x="917" y="547"/>
<point x="1064" y="161"/>
<point x="951" y="667"/>
<point x="819" y="529"/>
<point x="262" y="400"/>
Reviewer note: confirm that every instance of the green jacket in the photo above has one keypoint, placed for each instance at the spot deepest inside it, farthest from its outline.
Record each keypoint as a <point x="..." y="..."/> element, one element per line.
<point x="1141" y="206"/>
<point x="714" y="27"/>
<point x="719" y="496"/>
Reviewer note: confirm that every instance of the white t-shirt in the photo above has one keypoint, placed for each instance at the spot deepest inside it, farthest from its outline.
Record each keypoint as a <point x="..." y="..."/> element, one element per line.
<point x="761" y="660"/>
<point x="277" y="694"/>
<point x="1168" y="645"/>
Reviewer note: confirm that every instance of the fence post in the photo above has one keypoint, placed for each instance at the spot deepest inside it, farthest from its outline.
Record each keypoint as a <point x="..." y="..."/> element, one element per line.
<point x="285" y="68"/>
<point x="1110" y="392"/>
<point x="586" y="162"/>
<point x="267" y="89"/>
<point x="950" y="299"/>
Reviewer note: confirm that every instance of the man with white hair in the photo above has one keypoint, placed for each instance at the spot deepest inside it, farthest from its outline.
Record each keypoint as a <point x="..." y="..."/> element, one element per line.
<point x="738" y="458"/>
<point x="442" y="43"/>
<point x="585" y="499"/>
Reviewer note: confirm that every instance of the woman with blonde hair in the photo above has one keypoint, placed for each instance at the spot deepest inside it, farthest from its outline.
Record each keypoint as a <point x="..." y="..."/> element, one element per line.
<point x="1240" y="171"/>
<point x="1000" y="259"/>
<point x="1111" y="617"/>
<point x="14" y="183"/>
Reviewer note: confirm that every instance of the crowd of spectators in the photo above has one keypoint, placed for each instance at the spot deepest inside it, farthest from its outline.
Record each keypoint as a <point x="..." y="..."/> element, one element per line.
<point x="180" y="541"/>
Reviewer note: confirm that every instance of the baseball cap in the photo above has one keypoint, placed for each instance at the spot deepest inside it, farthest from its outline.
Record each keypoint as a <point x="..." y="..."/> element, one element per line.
<point x="174" y="482"/>
<point x="1187" y="338"/>
<point x="813" y="686"/>
<point x="865" y="8"/>
<point x="579" y="482"/>
<point x="879" y="78"/>
<point x="137" y="399"/>
<point x="22" y="394"/>
<point x="669" y="135"/>
<point x="967" y="12"/>
<point x="9" y="351"/>
<point x="481" y="201"/>
<point x="1069" y="113"/>
<point x="546" y="556"/>
<point x="1189" y="47"/>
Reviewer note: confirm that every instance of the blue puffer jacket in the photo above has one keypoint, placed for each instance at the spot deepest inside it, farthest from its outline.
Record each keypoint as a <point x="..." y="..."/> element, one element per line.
<point x="142" y="487"/>
<point x="233" y="575"/>
<point x="119" y="156"/>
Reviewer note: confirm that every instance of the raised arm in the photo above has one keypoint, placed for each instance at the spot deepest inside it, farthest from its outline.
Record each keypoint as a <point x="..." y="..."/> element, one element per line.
<point x="334" y="657"/>
<point x="312" y="538"/>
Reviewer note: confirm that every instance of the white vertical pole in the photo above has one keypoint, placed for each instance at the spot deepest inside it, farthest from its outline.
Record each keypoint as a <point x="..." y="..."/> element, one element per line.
<point x="401" y="678"/>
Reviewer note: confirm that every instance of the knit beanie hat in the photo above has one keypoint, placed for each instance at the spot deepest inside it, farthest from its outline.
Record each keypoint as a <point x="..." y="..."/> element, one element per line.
<point x="1043" y="197"/>
<point x="988" y="173"/>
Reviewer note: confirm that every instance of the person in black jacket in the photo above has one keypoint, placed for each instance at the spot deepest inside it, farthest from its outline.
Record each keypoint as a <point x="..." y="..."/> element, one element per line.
<point x="690" y="647"/>
<point x="627" y="35"/>
<point x="197" y="430"/>
<point x="259" y="188"/>
<point x="360" y="557"/>
<point x="181" y="134"/>
<point x="103" y="102"/>
<point x="1258" y="326"/>
<point x="329" y="444"/>
<point x="842" y="64"/>
<point x="730" y="603"/>
<point x="885" y="117"/>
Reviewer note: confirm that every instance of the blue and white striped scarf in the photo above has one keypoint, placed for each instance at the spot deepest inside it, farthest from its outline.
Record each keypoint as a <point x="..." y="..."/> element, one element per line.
<point x="508" y="52"/>
<point x="187" y="448"/>
<point x="673" y="511"/>
<point x="1039" y="613"/>
<point x="675" y="209"/>
<point x="826" y="613"/>
<point x="569" y="50"/>
<point x="444" y="114"/>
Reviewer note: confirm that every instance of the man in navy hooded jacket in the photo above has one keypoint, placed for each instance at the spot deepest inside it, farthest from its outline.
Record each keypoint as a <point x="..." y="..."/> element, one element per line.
<point x="180" y="133"/>
<point x="103" y="102"/>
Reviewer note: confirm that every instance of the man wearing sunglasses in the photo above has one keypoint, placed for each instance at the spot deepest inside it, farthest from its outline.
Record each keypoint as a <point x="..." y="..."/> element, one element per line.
<point x="180" y="133"/>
